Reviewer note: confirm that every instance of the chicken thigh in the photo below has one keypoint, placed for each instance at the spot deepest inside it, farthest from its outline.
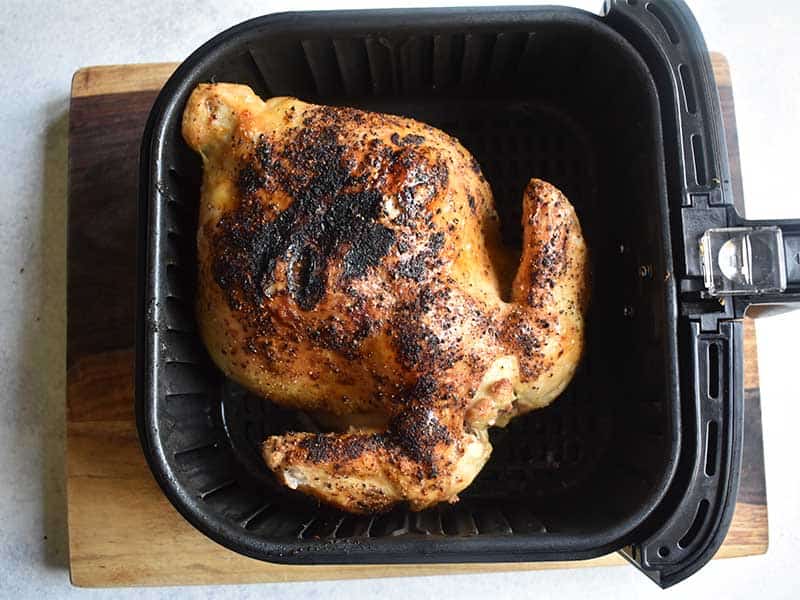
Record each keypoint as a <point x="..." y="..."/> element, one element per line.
<point x="350" y="266"/>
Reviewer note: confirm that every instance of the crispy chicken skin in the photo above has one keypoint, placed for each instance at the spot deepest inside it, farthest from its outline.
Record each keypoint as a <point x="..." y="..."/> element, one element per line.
<point x="350" y="265"/>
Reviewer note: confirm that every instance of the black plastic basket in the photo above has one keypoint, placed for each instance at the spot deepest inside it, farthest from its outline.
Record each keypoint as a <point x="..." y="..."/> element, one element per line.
<point x="621" y="113"/>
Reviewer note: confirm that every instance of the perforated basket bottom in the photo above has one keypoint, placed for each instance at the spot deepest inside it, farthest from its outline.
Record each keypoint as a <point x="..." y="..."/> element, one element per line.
<point x="536" y="459"/>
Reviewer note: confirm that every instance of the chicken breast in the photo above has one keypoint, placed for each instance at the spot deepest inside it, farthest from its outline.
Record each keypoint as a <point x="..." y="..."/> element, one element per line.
<point x="350" y="265"/>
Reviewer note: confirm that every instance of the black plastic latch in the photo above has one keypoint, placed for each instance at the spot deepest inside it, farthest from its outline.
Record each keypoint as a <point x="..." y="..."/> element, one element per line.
<point x="696" y="220"/>
<point x="791" y="244"/>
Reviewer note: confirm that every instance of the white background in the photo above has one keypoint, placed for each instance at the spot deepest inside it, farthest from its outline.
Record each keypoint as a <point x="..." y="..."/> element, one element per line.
<point x="43" y="43"/>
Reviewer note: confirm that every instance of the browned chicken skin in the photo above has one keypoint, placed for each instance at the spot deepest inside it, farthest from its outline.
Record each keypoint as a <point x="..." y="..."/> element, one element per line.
<point x="350" y="265"/>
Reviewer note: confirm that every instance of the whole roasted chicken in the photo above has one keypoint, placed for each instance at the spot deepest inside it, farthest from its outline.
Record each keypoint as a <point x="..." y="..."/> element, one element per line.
<point x="350" y="266"/>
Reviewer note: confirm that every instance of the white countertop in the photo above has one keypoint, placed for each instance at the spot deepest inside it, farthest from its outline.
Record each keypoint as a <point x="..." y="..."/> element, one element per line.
<point x="43" y="43"/>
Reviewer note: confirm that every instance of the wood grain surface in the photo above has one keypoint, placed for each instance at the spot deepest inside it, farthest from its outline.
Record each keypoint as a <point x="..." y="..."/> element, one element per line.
<point x="122" y="530"/>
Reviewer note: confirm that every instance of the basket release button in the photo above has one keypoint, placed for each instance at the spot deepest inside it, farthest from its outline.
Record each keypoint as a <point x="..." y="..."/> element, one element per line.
<point x="743" y="260"/>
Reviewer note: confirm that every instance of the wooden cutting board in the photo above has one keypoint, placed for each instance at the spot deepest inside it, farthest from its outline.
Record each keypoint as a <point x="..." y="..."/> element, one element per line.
<point x="122" y="530"/>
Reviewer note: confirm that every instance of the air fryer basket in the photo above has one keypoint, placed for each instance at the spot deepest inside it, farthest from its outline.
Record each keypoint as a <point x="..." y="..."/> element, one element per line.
<point x="554" y="93"/>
